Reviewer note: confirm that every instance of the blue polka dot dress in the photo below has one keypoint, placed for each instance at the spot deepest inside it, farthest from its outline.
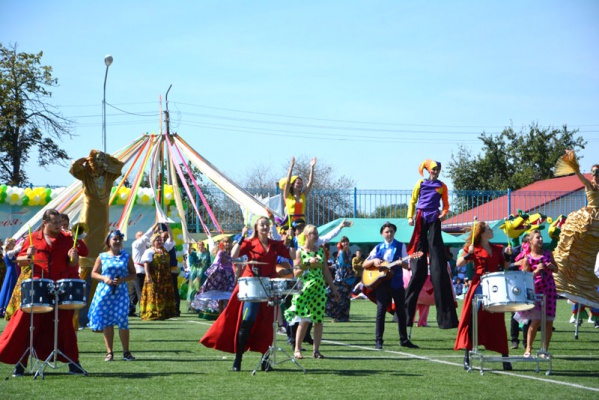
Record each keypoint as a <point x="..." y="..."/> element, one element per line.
<point x="110" y="305"/>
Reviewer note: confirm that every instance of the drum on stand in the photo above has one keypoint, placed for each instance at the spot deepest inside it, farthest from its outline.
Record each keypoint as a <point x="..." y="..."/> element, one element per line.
<point x="71" y="294"/>
<point x="37" y="296"/>
<point x="508" y="291"/>
<point x="253" y="289"/>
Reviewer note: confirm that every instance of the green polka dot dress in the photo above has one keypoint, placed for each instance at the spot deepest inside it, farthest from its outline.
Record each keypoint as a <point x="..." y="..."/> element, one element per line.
<point x="310" y="303"/>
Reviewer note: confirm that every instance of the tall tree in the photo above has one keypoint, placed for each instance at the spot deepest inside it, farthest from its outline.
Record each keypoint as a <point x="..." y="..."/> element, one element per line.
<point x="27" y="120"/>
<point x="512" y="159"/>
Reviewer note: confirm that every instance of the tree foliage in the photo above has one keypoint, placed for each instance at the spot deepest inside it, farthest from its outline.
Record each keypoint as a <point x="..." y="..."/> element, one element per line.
<point x="511" y="160"/>
<point x="27" y="120"/>
<point x="390" y="211"/>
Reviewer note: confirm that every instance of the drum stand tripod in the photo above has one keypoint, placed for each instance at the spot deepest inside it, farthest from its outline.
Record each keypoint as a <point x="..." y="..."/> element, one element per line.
<point x="56" y="352"/>
<point x="270" y="357"/>
<point x="541" y="356"/>
<point x="29" y="350"/>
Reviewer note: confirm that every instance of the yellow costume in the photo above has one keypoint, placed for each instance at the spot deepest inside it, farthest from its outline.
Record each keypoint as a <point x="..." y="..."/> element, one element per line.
<point x="97" y="173"/>
<point x="576" y="254"/>
<point x="296" y="210"/>
<point x="577" y="249"/>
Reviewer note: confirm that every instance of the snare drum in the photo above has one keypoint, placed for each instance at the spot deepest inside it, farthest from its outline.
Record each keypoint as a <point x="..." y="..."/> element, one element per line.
<point x="37" y="296"/>
<point x="283" y="287"/>
<point x="253" y="289"/>
<point x="508" y="291"/>
<point x="71" y="294"/>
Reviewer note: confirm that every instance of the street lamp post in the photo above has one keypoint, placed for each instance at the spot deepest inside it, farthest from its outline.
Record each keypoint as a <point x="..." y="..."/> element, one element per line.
<point x="107" y="61"/>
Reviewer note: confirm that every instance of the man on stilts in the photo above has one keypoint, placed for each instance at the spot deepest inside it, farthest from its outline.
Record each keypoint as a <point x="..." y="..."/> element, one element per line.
<point x="429" y="193"/>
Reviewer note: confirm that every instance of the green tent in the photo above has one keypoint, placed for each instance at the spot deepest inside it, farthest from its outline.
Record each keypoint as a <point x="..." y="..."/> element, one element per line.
<point x="366" y="231"/>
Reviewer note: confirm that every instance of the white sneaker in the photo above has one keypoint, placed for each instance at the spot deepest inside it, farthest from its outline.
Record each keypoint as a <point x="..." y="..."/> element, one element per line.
<point x="590" y="320"/>
<point x="573" y="319"/>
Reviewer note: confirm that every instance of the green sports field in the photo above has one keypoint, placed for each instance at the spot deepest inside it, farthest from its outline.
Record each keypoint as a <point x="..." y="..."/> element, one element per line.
<point x="172" y="365"/>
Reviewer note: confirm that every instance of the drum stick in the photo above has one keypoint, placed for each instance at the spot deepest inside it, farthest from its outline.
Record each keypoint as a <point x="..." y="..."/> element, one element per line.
<point x="30" y="239"/>
<point x="473" y="228"/>
<point x="75" y="241"/>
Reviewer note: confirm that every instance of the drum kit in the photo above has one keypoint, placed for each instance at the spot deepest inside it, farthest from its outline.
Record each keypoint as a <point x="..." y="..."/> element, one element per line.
<point x="273" y="291"/>
<point x="507" y="291"/>
<point x="41" y="295"/>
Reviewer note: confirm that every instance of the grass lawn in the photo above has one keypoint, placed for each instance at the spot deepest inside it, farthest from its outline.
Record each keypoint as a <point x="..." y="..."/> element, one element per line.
<point x="172" y="365"/>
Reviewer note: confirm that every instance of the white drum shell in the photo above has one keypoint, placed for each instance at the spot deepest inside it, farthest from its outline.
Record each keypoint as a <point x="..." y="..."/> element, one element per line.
<point x="508" y="291"/>
<point x="253" y="289"/>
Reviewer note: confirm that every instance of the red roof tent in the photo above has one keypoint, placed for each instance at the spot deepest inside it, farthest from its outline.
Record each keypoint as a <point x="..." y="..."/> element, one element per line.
<point x="558" y="187"/>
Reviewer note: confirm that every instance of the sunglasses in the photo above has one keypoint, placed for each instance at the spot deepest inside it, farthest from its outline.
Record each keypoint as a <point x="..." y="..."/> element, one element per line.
<point x="595" y="171"/>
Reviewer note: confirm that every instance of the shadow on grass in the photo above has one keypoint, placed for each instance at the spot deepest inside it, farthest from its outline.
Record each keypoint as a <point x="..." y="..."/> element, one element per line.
<point x="142" y="352"/>
<point x="173" y="360"/>
<point x="575" y="374"/>
<point x="156" y="328"/>
<point x="136" y="375"/>
<point x="354" y="372"/>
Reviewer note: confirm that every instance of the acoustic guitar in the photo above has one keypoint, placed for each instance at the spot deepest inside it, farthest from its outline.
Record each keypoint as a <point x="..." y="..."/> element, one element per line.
<point x="373" y="276"/>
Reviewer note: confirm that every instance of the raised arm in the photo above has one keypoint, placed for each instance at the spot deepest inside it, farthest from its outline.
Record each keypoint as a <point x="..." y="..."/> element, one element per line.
<point x="237" y="247"/>
<point x="287" y="187"/>
<point x="308" y="187"/>
<point x="584" y="180"/>
<point x="324" y="239"/>
<point x="78" y="168"/>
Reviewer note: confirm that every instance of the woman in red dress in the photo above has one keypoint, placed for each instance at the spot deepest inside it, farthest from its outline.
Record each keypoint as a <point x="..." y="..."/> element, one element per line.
<point x="248" y="325"/>
<point x="487" y="258"/>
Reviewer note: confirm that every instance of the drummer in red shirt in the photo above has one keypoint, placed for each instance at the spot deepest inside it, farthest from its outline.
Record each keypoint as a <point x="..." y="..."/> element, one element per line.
<point x="54" y="257"/>
<point x="487" y="258"/>
<point x="248" y="325"/>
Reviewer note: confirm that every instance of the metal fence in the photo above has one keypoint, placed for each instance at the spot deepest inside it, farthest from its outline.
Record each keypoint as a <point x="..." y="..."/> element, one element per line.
<point x="327" y="205"/>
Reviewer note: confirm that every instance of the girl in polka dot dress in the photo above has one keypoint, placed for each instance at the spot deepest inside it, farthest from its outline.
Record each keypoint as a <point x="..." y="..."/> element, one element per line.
<point x="309" y="305"/>
<point x="540" y="263"/>
<point x="110" y="305"/>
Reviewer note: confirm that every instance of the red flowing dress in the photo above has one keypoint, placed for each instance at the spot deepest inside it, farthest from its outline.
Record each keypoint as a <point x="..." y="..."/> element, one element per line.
<point x="491" y="326"/>
<point x="222" y="335"/>
<point x="53" y="260"/>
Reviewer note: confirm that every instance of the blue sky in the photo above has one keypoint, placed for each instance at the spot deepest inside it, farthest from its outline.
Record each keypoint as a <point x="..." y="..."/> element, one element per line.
<point x="372" y="88"/>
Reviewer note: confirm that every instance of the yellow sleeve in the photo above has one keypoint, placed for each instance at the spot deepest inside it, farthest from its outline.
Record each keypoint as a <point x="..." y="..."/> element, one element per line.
<point x="78" y="168"/>
<point x="445" y="199"/>
<point x="414" y="199"/>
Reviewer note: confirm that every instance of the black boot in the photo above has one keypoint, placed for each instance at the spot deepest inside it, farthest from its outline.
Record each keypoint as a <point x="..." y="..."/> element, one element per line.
<point x="507" y="366"/>
<point x="242" y="338"/>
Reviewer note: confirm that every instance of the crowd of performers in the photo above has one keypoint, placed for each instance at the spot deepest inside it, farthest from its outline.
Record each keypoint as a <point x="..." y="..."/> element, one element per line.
<point x="292" y="250"/>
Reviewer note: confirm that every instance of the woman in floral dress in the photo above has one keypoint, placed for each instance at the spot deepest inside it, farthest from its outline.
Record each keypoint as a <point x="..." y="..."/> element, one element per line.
<point x="157" y="297"/>
<point x="110" y="305"/>
<point x="219" y="284"/>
